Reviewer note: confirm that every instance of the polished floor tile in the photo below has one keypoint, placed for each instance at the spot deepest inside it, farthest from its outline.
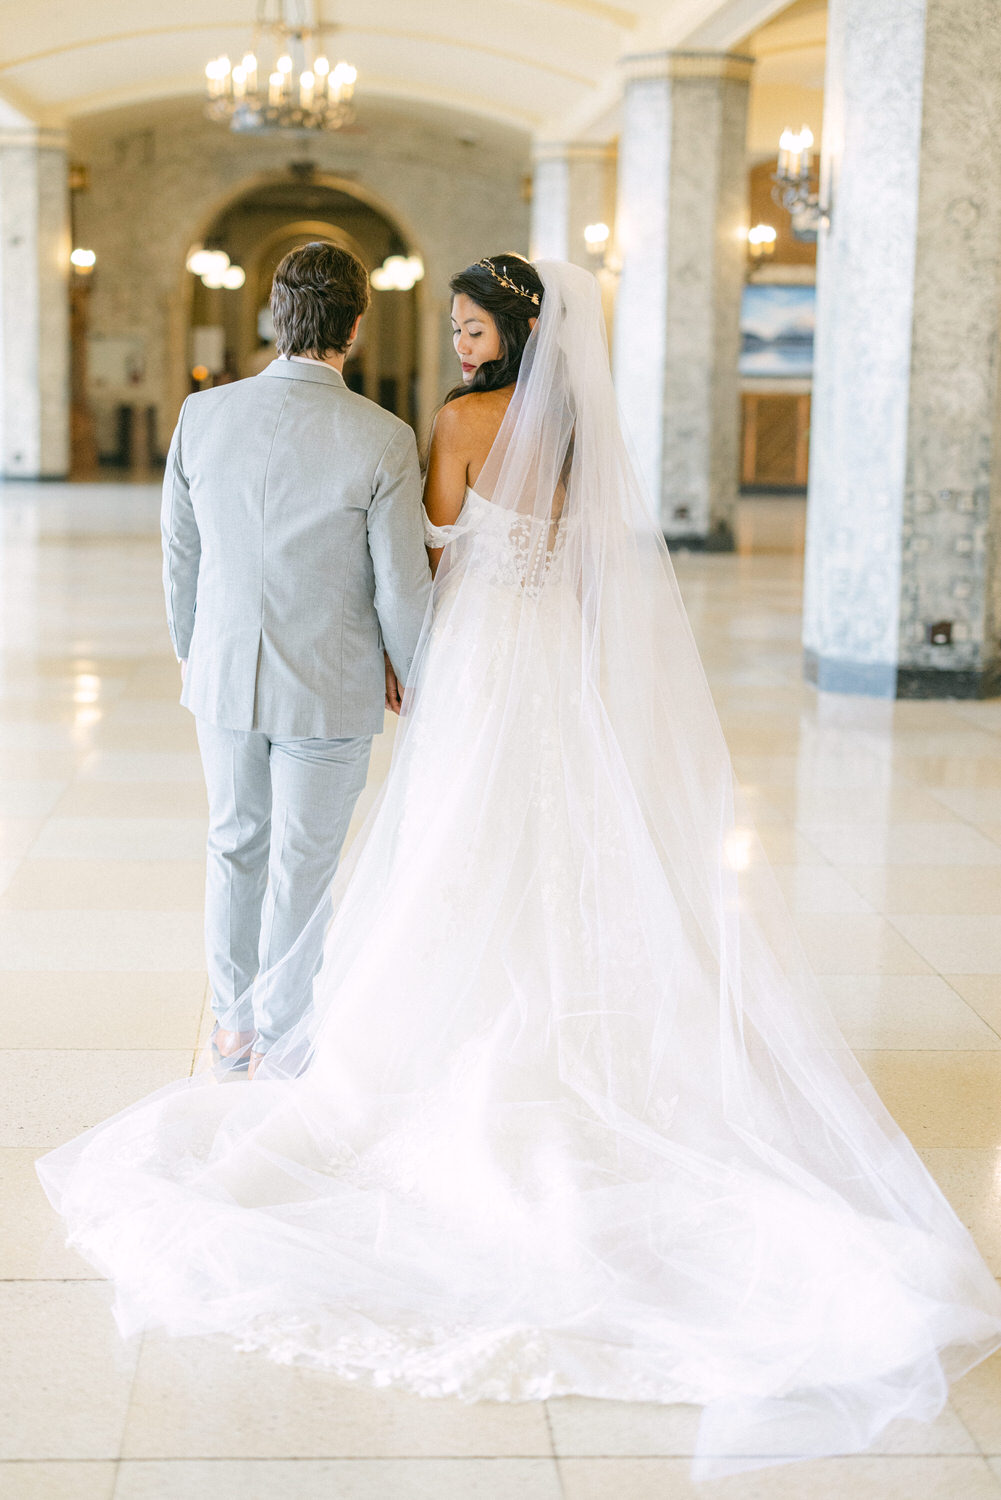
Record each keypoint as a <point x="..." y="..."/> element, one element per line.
<point x="32" y="1241"/>
<point x="956" y="944"/>
<point x="18" y="835"/>
<point x="853" y="943"/>
<point x="928" y="889"/>
<point x="133" y="799"/>
<point x="971" y="1180"/>
<point x="33" y="798"/>
<point x="370" y="1479"/>
<point x="147" y="766"/>
<point x="132" y="1009"/>
<point x="940" y="1098"/>
<point x="977" y="1399"/>
<point x="905" y="844"/>
<point x="36" y="884"/>
<point x="818" y="889"/>
<point x="48" y="1096"/>
<point x="982" y="992"/>
<point x="605" y="1429"/>
<point x="41" y="1480"/>
<point x="123" y="838"/>
<point x="264" y="1410"/>
<point x="100" y="939"/>
<point x="906" y="1011"/>
<point x="952" y="1478"/>
<point x="66" y="1375"/>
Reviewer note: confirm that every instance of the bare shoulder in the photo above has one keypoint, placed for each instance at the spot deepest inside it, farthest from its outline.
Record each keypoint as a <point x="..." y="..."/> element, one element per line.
<point x="468" y="420"/>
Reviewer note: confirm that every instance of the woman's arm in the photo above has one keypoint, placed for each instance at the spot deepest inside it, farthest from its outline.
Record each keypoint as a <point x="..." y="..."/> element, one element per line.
<point x="448" y="462"/>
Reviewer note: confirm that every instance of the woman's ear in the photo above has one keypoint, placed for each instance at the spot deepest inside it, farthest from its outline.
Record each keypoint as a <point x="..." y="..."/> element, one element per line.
<point x="532" y="322"/>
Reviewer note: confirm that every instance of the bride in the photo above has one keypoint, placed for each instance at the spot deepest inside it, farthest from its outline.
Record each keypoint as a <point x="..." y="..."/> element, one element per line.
<point x="568" y="1113"/>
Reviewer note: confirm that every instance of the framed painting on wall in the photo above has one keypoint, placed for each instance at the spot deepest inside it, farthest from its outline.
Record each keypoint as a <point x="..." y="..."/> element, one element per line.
<point x="776" y="331"/>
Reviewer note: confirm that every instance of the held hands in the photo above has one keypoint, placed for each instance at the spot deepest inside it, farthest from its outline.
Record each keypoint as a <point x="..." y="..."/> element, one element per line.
<point x="394" y="696"/>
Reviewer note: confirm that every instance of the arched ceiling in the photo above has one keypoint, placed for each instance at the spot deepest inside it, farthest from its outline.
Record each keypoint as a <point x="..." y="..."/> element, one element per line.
<point x="548" y="66"/>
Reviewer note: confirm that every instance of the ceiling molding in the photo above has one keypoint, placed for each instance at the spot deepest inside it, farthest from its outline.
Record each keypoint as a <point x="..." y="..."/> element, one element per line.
<point x="375" y="88"/>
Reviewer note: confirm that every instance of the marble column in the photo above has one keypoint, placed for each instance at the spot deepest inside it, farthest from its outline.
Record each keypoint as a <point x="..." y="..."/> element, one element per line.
<point x="680" y="226"/>
<point x="573" y="184"/>
<point x="903" y="567"/>
<point x="34" y="305"/>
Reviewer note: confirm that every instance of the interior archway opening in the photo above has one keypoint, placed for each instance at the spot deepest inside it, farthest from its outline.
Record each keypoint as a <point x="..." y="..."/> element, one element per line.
<point x="230" y="335"/>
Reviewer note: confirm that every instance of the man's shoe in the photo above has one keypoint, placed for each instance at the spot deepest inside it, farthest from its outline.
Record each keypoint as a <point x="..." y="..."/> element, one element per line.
<point x="231" y="1047"/>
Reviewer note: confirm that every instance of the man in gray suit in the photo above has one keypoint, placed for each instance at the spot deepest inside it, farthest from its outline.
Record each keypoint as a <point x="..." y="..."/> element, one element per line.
<point x="296" y="581"/>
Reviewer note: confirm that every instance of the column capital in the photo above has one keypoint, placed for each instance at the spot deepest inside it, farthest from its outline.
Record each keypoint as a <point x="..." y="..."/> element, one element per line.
<point x="41" y="137"/>
<point x="732" y="66"/>
<point x="598" y="152"/>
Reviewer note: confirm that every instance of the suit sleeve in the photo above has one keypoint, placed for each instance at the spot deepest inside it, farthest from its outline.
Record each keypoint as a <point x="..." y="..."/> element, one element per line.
<point x="181" y="548"/>
<point x="396" y="543"/>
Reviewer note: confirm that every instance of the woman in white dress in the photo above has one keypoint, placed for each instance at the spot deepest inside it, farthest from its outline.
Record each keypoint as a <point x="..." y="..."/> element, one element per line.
<point x="569" y="1113"/>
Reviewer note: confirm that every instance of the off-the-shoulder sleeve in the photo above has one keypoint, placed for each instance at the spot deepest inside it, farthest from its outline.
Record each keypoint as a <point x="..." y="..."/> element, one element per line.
<point x="436" y="536"/>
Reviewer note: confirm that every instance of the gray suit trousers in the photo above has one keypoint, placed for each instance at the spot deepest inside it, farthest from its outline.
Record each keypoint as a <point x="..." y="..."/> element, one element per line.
<point x="278" y="814"/>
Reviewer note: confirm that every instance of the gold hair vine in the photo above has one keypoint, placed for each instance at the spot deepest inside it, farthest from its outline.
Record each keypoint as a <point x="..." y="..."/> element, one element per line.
<point x="512" y="286"/>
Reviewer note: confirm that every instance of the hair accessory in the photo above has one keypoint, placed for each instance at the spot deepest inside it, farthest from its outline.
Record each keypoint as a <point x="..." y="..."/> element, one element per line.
<point x="506" y="281"/>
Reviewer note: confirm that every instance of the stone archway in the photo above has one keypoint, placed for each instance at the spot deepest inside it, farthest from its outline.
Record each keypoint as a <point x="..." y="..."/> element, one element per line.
<point x="260" y="222"/>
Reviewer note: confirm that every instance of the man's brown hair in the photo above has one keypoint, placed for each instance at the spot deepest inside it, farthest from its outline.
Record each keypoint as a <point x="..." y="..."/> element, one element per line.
<point x="317" y="293"/>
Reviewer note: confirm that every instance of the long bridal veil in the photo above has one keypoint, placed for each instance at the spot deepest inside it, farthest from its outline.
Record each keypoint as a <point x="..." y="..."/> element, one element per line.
<point x="568" y="1112"/>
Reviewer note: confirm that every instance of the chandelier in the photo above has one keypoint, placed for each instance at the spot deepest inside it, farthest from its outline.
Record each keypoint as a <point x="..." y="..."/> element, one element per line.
<point x="281" y="82"/>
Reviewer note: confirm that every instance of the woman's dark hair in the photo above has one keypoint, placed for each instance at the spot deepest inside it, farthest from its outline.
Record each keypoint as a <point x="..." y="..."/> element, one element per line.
<point x="507" y="294"/>
<point x="317" y="293"/>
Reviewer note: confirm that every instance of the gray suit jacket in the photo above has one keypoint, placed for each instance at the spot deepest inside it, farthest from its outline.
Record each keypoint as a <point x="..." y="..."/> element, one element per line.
<point x="293" y="551"/>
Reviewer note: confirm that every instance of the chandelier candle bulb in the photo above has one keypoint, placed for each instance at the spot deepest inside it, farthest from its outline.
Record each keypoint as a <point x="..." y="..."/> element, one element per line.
<point x="806" y="142"/>
<point x="282" y="82"/>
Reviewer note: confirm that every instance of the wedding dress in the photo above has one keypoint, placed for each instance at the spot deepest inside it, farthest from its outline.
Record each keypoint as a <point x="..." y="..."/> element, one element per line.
<point x="568" y="1113"/>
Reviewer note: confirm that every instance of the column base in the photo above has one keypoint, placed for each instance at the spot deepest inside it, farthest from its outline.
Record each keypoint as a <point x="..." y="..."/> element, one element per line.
<point x="886" y="680"/>
<point x="720" y="539"/>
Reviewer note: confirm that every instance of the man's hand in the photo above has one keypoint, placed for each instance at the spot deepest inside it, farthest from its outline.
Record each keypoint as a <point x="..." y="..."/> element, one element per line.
<point x="184" y="670"/>
<point x="394" y="697"/>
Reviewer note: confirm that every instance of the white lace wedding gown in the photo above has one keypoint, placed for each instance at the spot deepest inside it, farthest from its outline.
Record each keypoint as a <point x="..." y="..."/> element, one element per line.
<point x="568" y="1113"/>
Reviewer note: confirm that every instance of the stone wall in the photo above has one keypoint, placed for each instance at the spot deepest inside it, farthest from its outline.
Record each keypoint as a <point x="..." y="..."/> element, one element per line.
<point x="159" y="174"/>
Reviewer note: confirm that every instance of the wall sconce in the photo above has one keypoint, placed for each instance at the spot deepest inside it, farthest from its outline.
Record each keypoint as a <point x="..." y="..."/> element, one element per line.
<point x="761" y="243"/>
<point x="597" y="238"/>
<point x="83" y="261"/>
<point x="792" y="184"/>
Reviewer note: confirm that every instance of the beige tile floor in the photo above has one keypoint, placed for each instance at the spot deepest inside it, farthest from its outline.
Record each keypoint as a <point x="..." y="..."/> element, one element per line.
<point x="884" y="821"/>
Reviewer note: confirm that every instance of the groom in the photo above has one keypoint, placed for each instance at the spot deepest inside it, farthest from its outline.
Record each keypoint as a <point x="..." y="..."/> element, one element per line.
<point x="296" y="581"/>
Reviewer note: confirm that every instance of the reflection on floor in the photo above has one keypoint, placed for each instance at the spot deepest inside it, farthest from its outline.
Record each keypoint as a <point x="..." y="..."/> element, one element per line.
<point x="884" y="822"/>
